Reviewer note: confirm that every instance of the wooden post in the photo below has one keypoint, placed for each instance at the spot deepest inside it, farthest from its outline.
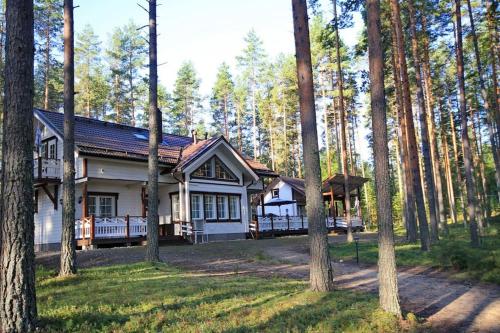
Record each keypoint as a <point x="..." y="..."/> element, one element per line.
<point x="360" y="211"/>
<point x="302" y="220"/>
<point x="84" y="221"/>
<point x="84" y="201"/>
<point x="288" y="221"/>
<point x="127" y="229"/>
<point x="262" y="205"/>
<point x="143" y="201"/>
<point x="92" y="227"/>
<point x="332" y="202"/>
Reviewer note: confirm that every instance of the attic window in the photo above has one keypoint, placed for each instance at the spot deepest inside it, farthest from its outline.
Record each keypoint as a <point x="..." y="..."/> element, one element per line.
<point x="275" y="193"/>
<point x="214" y="169"/>
<point x="140" y="136"/>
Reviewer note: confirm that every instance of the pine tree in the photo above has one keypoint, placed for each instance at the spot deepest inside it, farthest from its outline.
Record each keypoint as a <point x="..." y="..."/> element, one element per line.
<point x="222" y="101"/>
<point x="18" y="311"/>
<point x="186" y="99"/>
<point x="91" y="87"/>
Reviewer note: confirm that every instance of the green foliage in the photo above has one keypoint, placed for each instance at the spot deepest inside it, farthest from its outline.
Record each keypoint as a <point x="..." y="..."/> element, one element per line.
<point x="158" y="298"/>
<point x="222" y="102"/>
<point x="186" y="100"/>
<point x="453" y="252"/>
<point x="127" y="59"/>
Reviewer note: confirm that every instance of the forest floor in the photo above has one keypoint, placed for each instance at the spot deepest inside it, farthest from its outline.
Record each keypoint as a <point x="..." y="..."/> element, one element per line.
<point x="447" y="304"/>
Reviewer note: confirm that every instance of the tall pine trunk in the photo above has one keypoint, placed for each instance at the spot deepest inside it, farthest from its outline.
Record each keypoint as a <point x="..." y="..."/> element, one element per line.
<point x="409" y="196"/>
<point x="47" y="60"/>
<point x="410" y="129"/>
<point x="321" y="271"/>
<point x="424" y="131"/>
<point x="387" y="274"/>
<point x="469" y="178"/>
<point x="343" y="127"/>
<point x="68" y="252"/>
<point x="152" y="250"/>
<point x="18" y="310"/>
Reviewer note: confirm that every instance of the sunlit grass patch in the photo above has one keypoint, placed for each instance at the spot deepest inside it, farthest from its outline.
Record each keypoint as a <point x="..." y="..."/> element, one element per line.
<point x="144" y="297"/>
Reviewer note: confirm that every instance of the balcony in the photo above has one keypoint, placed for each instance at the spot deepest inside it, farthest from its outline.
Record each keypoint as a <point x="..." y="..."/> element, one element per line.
<point x="46" y="169"/>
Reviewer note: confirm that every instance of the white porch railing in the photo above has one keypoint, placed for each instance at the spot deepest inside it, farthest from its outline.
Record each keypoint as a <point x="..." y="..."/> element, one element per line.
<point x="47" y="168"/>
<point x="279" y="223"/>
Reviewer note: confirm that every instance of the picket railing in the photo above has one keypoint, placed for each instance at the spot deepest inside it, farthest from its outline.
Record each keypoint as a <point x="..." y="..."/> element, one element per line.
<point x="282" y="223"/>
<point x="44" y="168"/>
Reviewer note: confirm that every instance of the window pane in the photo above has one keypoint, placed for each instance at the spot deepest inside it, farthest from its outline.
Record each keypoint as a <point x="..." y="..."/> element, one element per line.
<point x="234" y="202"/>
<point x="105" y="206"/>
<point x="91" y="205"/>
<point x="205" y="170"/>
<point x="221" y="172"/>
<point x="195" y="206"/>
<point x="222" y="207"/>
<point x="175" y="207"/>
<point x="210" y="207"/>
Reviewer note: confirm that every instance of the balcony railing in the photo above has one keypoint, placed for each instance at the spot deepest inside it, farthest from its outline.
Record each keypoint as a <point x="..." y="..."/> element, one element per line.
<point x="291" y="223"/>
<point x="120" y="227"/>
<point x="47" y="168"/>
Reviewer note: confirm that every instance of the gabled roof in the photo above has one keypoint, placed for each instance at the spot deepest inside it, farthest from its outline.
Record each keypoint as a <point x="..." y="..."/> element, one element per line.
<point x="337" y="183"/>
<point x="106" y="139"/>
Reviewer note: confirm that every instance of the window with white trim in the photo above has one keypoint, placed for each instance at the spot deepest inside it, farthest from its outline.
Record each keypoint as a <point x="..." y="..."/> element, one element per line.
<point x="210" y="209"/>
<point x="214" y="168"/>
<point x="222" y="207"/>
<point x="275" y="193"/>
<point x="234" y="207"/>
<point x="176" y="211"/>
<point x="196" y="206"/>
<point x="101" y="205"/>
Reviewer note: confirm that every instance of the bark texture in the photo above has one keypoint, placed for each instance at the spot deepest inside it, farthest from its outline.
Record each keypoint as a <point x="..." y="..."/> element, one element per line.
<point x="68" y="253"/>
<point x="17" y="267"/>
<point x="469" y="178"/>
<point x="321" y="271"/>
<point x="152" y="250"/>
<point x="387" y="274"/>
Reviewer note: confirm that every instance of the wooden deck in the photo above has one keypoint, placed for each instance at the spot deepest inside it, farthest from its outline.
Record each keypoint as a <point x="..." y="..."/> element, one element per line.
<point x="131" y="241"/>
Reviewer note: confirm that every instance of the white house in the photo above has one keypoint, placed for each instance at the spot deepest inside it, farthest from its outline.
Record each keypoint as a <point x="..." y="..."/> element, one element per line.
<point x="286" y="189"/>
<point x="204" y="185"/>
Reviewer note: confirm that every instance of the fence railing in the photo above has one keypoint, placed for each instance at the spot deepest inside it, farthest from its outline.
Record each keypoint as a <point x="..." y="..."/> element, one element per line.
<point x="291" y="223"/>
<point x="47" y="168"/>
<point x="119" y="227"/>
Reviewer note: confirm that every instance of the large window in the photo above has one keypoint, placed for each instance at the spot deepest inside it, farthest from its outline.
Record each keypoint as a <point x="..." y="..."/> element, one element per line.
<point x="196" y="206"/>
<point x="210" y="212"/>
<point x="216" y="207"/>
<point x="176" y="211"/>
<point x="101" y="205"/>
<point x="214" y="169"/>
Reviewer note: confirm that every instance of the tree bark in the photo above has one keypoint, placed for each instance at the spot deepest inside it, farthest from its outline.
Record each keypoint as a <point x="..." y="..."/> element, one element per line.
<point x="424" y="131"/>
<point x="469" y="178"/>
<point x="152" y="250"/>
<point x="68" y="253"/>
<point x="410" y="129"/>
<point x="321" y="271"/>
<point x="18" y="310"/>
<point x="387" y="274"/>
<point x="47" y="60"/>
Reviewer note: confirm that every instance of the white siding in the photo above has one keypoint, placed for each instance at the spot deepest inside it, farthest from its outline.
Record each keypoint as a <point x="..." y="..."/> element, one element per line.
<point x="285" y="193"/>
<point x="48" y="220"/>
<point x="121" y="170"/>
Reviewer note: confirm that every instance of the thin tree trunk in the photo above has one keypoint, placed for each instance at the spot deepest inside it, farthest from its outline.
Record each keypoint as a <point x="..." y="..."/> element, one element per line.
<point x="152" y="250"/>
<point x="449" y="179"/>
<point x="321" y="271"/>
<point x="47" y="59"/>
<point x="410" y="130"/>
<point x="343" y="127"/>
<point x="254" y="124"/>
<point x="226" y="129"/>
<point x="238" y="125"/>
<point x="18" y="311"/>
<point x="327" y="136"/>
<point x="424" y="131"/>
<point x="409" y="195"/>
<point x="68" y="253"/>
<point x="469" y="179"/>
<point x="482" y="85"/>
<point x="436" y="165"/>
<point x="387" y="274"/>
<point x="478" y="166"/>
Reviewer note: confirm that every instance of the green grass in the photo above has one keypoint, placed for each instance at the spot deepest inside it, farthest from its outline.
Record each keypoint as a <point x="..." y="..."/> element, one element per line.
<point x="453" y="253"/>
<point x="152" y="298"/>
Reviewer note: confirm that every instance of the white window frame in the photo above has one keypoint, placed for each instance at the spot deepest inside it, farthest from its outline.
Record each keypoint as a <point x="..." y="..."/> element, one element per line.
<point x="212" y="205"/>
<point x="176" y="207"/>
<point x="97" y="205"/>
<point x="236" y="208"/>
<point x="223" y="203"/>
<point x="197" y="206"/>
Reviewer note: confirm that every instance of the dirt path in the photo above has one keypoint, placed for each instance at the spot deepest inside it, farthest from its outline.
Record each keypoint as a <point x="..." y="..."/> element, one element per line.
<point x="448" y="305"/>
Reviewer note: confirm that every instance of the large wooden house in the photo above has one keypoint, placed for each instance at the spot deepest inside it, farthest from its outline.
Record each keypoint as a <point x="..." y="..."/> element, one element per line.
<point x="205" y="185"/>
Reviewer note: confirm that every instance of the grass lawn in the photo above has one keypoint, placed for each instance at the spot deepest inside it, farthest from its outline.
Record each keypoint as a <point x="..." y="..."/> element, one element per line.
<point x="143" y="297"/>
<point x="453" y="252"/>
